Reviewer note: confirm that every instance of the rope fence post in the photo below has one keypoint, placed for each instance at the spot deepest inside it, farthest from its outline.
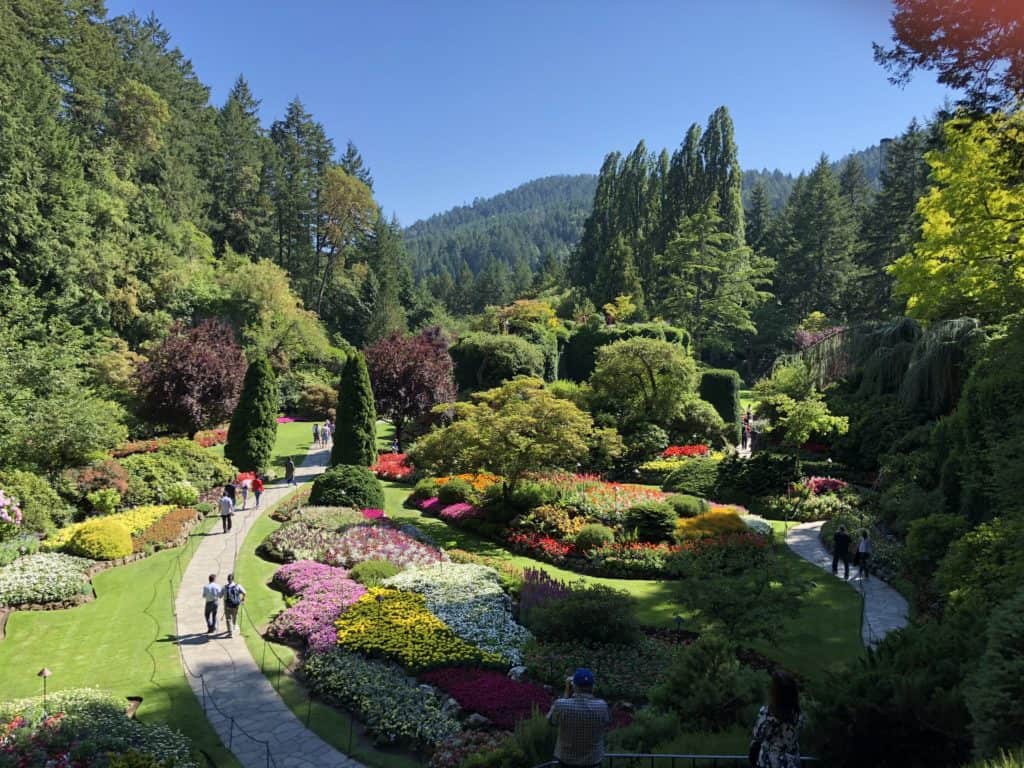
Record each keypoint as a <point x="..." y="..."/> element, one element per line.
<point x="231" y="734"/>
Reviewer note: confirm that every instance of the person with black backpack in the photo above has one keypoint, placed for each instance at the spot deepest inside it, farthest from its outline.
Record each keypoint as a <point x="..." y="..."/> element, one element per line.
<point x="234" y="596"/>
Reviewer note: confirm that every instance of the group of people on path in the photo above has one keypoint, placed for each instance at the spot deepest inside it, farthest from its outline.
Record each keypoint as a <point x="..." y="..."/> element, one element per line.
<point x="323" y="433"/>
<point x="582" y="721"/>
<point x="232" y="594"/>
<point x="228" y="503"/>
<point x="841" y="541"/>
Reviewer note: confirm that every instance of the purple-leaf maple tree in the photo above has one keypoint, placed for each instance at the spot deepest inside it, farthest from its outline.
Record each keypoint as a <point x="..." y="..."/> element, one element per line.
<point x="192" y="380"/>
<point x="410" y="375"/>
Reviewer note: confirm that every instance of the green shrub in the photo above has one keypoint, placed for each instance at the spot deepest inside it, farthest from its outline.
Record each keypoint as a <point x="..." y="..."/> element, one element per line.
<point x="12" y="549"/>
<point x="182" y="494"/>
<point x="42" y="509"/>
<point x="685" y="505"/>
<point x="706" y="687"/>
<point x="696" y="477"/>
<point x="928" y="539"/>
<point x="203" y="469"/>
<point x="985" y="566"/>
<point x="1014" y="759"/>
<point x="101" y="539"/>
<point x="355" y="441"/>
<point x="456" y="491"/>
<point x="740" y="480"/>
<point x="370" y="573"/>
<point x="205" y="508"/>
<point x="593" y="536"/>
<point x="485" y="360"/>
<point x="531" y="743"/>
<point x="151" y="475"/>
<point x="253" y="427"/>
<point x="105" y="501"/>
<point x="696" y="421"/>
<point x="721" y="388"/>
<point x="595" y="613"/>
<point x="653" y="521"/>
<point x="346" y="485"/>
<point x="424" y="489"/>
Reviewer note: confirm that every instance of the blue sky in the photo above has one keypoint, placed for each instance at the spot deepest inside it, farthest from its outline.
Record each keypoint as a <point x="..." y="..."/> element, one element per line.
<point x="448" y="101"/>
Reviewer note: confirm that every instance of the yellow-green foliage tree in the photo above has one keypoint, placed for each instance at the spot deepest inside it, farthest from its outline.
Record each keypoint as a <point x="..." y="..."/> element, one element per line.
<point x="970" y="260"/>
<point x="511" y="430"/>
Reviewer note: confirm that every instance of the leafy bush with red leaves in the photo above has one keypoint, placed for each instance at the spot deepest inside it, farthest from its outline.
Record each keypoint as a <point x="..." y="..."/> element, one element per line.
<point x="97" y="476"/>
<point x="139" y="446"/>
<point x="208" y="438"/>
<point x="500" y="699"/>
<point x="393" y="466"/>
<point x="167" y="530"/>
<point x="820" y="485"/>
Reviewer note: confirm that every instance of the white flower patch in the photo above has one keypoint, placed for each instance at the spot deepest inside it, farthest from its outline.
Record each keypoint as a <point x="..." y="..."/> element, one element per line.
<point x="43" y="578"/>
<point x="470" y="600"/>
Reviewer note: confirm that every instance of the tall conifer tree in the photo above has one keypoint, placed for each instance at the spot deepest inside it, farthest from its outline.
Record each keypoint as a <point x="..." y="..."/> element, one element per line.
<point x="355" y="440"/>
<point x="253" y="427"/>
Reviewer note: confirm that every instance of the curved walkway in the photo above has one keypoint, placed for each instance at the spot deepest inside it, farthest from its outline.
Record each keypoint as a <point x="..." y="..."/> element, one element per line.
<point x="239" y="701"/>
<point x="884" y="608"/>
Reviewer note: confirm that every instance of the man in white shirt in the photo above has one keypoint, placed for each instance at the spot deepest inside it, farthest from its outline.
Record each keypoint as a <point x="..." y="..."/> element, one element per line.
<point x="227" y="509"/>
<point x="211" y="595"/>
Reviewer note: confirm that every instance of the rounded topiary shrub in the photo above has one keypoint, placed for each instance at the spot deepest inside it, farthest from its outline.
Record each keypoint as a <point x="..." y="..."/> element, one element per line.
<point x="101" y="539"/>
<point x="696" y="477"/>
<point x="424" y="489"/>
<point x="686" y="505"/>
<point x="456" y="491"/>
<point x="182" y="494"/>
<point x="347" y="485"/>
<point x="653" y="521"/>
<point x="370" y="573"/>
<point x="593" y="536"/>
<point x="595" y="614"/>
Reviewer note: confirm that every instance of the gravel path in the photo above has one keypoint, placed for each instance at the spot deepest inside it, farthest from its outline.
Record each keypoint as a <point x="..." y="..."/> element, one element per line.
<point x="884" y="608"/>
<point x="239" y="701"/>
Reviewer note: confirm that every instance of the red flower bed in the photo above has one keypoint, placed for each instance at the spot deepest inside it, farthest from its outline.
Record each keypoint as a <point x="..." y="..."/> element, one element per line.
<point x="820" y="485"/>
<point x="211" y="437"/>
<point x="538" y="543"/>
<point x="392" y="466"/>
<point x="737" y="541"/>
<point x="686" y="451"/>
<point x="500" y="699"/>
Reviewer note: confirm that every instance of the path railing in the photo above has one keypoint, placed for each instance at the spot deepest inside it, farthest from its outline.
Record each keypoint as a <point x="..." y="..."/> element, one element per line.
<point x="636" y="760"/>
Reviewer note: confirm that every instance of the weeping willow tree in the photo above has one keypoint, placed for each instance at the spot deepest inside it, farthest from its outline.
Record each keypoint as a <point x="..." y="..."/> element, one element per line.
<point x="925" y="366"/>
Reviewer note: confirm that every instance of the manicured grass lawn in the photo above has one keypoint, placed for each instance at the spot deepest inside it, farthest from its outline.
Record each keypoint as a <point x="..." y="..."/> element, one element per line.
<point x="747" y="399"/>
<point x="120" y="642"/>
<point x="293" y="439"/>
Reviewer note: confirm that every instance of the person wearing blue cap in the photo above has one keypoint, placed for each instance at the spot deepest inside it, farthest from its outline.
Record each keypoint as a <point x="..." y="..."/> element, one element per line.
<point x="582" y="721"/>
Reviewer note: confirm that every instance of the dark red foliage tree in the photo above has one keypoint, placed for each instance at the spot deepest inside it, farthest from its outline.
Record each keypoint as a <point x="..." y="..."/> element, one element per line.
<point x="410" y="375"/>
<point x="193" y="379"/>
<point x="975" y="45"/>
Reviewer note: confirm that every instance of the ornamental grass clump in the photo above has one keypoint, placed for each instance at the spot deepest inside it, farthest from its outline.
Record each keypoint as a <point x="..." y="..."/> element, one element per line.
<point x="378" y="543"/>
<point x="470" y="600"/>
<point x="47" y="577"/>
<point x="393" y="707"/>
<point x="492" y="694"/>
<point x="398" y="625"/>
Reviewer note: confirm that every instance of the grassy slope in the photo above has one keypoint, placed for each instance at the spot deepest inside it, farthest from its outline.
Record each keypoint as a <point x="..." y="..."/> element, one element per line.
<point x="121" y="642"/>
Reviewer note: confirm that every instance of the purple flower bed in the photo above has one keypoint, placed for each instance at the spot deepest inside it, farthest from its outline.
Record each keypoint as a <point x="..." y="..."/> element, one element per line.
<point x="500" y="699"/>
<point x="431" y="506"/>
<point x="820" y="485"/>
<point x="325" y="592"/>
<point x="373" y="514"/>
<point x="460" y="511"/>
<point x="376" y="543"/>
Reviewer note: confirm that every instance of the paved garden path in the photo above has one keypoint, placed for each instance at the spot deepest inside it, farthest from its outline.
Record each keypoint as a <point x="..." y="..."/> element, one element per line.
<point x="241" y="704"/>
<point x="884" y="607"/>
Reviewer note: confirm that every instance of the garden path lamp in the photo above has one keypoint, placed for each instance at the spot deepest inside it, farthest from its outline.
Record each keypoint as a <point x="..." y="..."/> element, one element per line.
<point x="44" y="673"/>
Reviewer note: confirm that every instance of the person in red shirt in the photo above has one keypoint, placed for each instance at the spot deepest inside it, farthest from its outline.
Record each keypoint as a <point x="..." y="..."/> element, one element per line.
<point x="257" y="487"/>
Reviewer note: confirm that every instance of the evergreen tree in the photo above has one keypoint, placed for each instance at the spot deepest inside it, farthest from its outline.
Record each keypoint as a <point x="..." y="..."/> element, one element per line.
<point x="758" y="218"/>
<point x="355" y="441"/>
<point x="618" y="276"/>
<point x="352" y="163"/>
<point x="253" y="427"/>
<point x="387" y="258"/>
<point x="492" y="287"/>
<point x="600" y="228"/>
<point x="722" y="175"/>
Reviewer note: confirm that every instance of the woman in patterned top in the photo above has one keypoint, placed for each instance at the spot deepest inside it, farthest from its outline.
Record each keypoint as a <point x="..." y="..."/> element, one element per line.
<point x="776" y="734"/>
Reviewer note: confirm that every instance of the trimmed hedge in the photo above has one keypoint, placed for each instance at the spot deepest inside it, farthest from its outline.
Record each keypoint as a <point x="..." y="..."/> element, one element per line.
<point x="686" y="505"/>
<point x="721" y="388"/>
<point x="579" y="356"/>
<point x="652" y="521"/>
<point x="346" y="485"/>
<point x="696" y="477"/>
<point x="593" y="536"/>
<point x="763" y="474"/>
<point x="101" y="539"/>
<point x="485" y="360"/>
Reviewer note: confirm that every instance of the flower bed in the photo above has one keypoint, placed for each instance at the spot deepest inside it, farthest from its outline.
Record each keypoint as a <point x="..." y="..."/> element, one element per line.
<point x="455" y="750"/>
<point x="633" y="559"/>
<point x="298" y="541"/>
<point x="720" y="519"/>
<point x="540" y="545"/>
<point x="292" y="507"/>
<point x="208" y="438"/>
<point x="168" y="531"/>
<point x="373" y="514"/>
<point x="392" y="707"/>
<point x="380" y="543"/>
<point x="821" y="485"/>
<point x="431" y="506"/>
<point x="621" y="671"/>
<point x="684" y="451"/>
<point x="460" y="511"/>
<point x="87" y="727"/>
<point x="324" y="594"/>
<point x="135" y="520"/>
<point x="599" y="500"/>
<point x="397" y="625"/>
<point x="47" y="577"/>
<point x="470" y="600"/>
<point x="500" y="699"/>
<point x="392" y="466"/>
<point x="480" y="481"/>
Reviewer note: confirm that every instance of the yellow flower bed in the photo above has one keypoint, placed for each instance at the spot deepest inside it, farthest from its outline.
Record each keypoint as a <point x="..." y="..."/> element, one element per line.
<point x="667" y="465"/>
<point x="480" y="482"/>
<point x="717" y="521"/>
<point x="397" y="625"/>
<point x="135" y="520"/>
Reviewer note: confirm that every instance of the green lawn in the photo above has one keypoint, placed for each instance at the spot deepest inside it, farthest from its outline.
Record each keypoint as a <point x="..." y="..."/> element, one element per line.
<point x="293" y="439"/>
<point x="120" y="642"/>
<point x="747" y="399"/>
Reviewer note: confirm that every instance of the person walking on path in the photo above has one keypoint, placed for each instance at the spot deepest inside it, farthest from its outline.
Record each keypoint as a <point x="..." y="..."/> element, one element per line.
<point x="864" y="554"/>
<point x="211" y="594"/>
<point x="257" y="488"/>
<point x="234" y="596"/>
<point x="582" y="721"/>
<point x="289" y="471"/>
<point x="245" y="492"/>
<point x="316" y="433"/>
<point x="325" y="434"/>
<point x="231" y="490"/>
<point x="841" y="552"/>
<point x="227" y="509"/>
<point x="775" y="742"/>
<point x="744" y="431"/>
